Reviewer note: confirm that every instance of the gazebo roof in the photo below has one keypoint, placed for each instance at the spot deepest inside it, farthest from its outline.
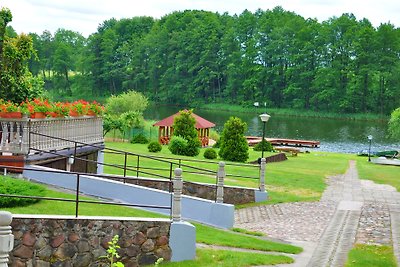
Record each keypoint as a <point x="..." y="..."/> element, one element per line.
<point x="201" y="123"/>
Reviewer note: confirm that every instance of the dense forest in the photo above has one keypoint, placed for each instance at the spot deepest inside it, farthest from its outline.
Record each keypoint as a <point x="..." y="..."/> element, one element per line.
<point x="194" y="57"/>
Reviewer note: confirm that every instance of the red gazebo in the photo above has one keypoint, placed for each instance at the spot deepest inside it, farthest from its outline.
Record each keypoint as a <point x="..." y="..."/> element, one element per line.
<point x="165" y="130"/>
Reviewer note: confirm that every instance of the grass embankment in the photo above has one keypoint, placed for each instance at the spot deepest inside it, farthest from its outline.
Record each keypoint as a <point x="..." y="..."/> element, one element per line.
<point x="204" y="234"/>
<point x="381" y="174"/>
<point x="226" y="258"/>
<point x="292" y="112"/>
<point x="300" y="178"/>
<point x="370" y="255"/>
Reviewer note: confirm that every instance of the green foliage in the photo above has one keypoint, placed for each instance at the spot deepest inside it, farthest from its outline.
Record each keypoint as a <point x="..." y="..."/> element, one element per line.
<point x="130" y="101"/>
<point x="234" y="146"/>
<point x="139" y="139"/>
<point x="184" y="126"/>
<point x="264" y="145"/>
<point x="177" y="145"/>
<point x="14" y="186"/>
<point x="16" y="81"/>
<point x="154" y="147"/>
<point x="112" y="253"/>
<point x="210" y="153"/>
<point x="394" y="124"/>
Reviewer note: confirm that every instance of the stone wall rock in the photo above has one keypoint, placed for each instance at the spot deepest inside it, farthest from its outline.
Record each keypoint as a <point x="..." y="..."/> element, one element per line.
<point x="78" y="242"/>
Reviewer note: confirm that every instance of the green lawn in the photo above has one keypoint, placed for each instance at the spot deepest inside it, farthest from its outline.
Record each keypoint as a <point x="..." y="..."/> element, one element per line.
<point x="204" y="234"/>
<point x="300" y="178"/>
<point x="225" y="258"/>
<point x="370" y="255"/>
<point x="381" y="174"/>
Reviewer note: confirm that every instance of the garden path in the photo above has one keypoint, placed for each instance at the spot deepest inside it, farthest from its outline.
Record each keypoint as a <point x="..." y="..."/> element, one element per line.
<point x="350" y="211"/>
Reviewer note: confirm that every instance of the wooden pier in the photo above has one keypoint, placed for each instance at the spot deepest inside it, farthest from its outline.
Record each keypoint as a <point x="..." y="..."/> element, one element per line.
<point x="253" y="140"/>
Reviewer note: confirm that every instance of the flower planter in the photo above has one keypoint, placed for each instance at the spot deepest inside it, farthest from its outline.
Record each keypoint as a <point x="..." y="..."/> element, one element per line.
<point x="38" y="115"/>
<point x="91" y="113"/>
<point x="74" y="114"/>
<point x="12" y="115"/>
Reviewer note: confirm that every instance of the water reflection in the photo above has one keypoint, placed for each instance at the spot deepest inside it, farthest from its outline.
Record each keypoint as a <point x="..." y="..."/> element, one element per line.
<point x="335" y="135"/>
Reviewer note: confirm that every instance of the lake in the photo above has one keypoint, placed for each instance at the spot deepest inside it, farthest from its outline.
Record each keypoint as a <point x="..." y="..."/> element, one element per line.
<point x="346" y="136"/>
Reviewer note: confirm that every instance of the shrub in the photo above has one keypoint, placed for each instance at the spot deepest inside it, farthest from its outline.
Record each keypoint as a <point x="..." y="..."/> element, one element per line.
<point x="178" y="145"/>
<point x="210" y="153"/>
<point x="264" y="145"/>
<point x="139" y="139"/>
<point x="14" y="186"/>
<point x="154" y="147"/>
<point x="234" y="146"/>
<point x="192" y="148"/>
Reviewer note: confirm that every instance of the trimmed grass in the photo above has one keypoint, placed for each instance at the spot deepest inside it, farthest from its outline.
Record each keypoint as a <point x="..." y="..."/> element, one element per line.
<point x="204" y="234"/>
<point x="300" y="178"/>
<point x="381" y="174"/>
<point x="231" y="239"/>
<point x="225" y="258"/>
<point x="370" y="255"/>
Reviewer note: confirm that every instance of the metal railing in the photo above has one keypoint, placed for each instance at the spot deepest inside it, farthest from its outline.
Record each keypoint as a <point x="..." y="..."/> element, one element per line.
<point x="77" y="199"/>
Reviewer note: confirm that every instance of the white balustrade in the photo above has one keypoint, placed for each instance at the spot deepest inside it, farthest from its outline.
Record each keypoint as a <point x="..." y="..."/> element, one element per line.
<point x="15" y="137"/>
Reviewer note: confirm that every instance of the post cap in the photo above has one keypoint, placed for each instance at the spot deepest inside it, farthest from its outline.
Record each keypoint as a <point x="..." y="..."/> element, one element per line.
<point x="178" y="172"/>
<point x="221" y="164"/>
<point x="5" y="218"/>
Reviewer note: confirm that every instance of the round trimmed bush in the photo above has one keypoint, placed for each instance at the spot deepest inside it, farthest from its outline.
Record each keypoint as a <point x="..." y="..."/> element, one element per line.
<point x="154" y="147"/>
<point x="178" y="145"/>
<point x="210" y="153"/>
<point x="139" y="139"/>
<point x="12" y="186"/>
<point x="264" y="145"/>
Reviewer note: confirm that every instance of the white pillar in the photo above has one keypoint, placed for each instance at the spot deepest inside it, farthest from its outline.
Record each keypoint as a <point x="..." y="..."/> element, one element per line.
<point x="262" y="174"/>
<point x="177" y="194"/>
<point x="220" y="182"/>
<point x="6" y="237"/>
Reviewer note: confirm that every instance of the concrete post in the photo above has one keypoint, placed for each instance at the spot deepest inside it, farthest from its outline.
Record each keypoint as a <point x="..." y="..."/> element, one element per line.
<point x="6" y="237"/>
<point x="220" y="182"/>
<point x="262" y="174"/>
<point x="177" y="200"/>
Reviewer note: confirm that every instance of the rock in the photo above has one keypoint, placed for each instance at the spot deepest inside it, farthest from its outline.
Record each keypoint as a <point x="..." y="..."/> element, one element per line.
<point x="40" y="243"/>
<point x="153" y="232"/>
<point x="147" y="259"/>
<point x="83" y="246"/>
<point x="97" y="253"/>
<point x="65" y="251"/>
<point x="28" y="239"/>
<point x="139" y="239"/>
<point x="125" y="241"/>
<point x="40" y="263"/>
<point x="57" y="241"/>
<point x="18" y="263"/>
<point x="133" y="251"/>
<point x="73" y="237"/>
<point x="162" y="241"/>
<point x="45" y="253"/>
<point x="23" y="252"/>
<point x="82" y="260"/>
<point x="164" y="253"/>
<point x="105" y="240"/>
<point x="148" y="245"/>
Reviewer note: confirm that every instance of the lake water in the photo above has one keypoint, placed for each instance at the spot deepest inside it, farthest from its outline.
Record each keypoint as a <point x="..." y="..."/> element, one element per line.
<point x="346" y="136"/>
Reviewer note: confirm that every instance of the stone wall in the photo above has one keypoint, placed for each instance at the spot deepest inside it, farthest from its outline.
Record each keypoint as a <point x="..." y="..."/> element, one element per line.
<point x="232" y="195"/>
<point x="81" y="242"/>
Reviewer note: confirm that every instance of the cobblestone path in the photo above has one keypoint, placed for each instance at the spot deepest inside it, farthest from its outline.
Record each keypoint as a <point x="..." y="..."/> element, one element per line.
<point x="350" y="211"/>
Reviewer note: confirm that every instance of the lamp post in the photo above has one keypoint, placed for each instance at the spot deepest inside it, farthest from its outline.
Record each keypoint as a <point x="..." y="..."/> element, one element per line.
<point x="264" y="118"/>
<point x="369" y="149"/>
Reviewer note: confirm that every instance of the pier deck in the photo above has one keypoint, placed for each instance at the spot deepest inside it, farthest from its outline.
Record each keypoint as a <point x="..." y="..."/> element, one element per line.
<point x="253" y="140"/>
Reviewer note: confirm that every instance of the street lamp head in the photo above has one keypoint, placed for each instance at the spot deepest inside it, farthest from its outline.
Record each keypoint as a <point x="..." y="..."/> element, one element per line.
<point x="370" y="137"/>
<point x="264" y="117"/>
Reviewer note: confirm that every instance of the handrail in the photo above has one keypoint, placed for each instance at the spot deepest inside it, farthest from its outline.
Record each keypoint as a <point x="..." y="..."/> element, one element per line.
<point x="77" y="200"/>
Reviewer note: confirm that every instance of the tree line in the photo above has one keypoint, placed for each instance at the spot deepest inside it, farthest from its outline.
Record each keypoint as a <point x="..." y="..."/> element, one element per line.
<point x="193" y="57"/>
